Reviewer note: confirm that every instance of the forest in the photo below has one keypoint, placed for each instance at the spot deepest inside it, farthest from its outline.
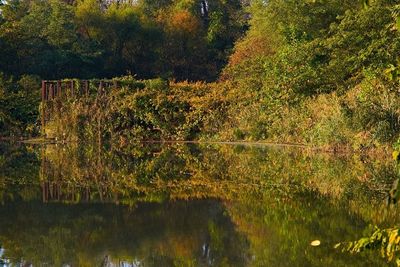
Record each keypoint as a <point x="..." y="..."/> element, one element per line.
<point x="315" y="72"/>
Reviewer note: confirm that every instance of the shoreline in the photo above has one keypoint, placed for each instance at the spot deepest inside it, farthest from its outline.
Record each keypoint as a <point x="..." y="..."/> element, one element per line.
<point x="338" y="150"/>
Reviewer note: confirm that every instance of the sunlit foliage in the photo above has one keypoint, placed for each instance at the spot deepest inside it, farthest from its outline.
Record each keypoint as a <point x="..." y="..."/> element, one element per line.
<point x="59" y="39"/>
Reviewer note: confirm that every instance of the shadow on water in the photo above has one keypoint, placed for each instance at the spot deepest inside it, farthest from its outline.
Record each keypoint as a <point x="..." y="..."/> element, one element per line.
<point x="153" y="234"/>
<point x="187" y="205"/>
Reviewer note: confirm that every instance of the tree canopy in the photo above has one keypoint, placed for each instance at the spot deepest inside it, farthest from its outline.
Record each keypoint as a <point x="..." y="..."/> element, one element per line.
<point x="87" y="39"/>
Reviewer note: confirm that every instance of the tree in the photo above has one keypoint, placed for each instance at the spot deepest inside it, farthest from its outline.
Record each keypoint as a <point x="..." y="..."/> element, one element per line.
<point x="41" y="38"/>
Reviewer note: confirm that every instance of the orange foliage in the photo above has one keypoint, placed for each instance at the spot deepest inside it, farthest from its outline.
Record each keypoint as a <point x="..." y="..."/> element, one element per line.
<point x="181" y="21"/>
<point x="250" y="48"/>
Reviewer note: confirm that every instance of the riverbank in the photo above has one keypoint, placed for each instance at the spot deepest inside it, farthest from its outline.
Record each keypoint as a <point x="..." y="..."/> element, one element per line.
<point x="383" y="152"/>
<point x="157" y="109"/>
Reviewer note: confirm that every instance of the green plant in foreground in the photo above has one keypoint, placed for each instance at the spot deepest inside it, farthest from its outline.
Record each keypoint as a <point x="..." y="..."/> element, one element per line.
<point x="385" y="240"/>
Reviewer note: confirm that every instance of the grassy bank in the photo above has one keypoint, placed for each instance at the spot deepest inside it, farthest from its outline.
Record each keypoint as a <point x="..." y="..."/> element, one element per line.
<point x="157" y="110"/>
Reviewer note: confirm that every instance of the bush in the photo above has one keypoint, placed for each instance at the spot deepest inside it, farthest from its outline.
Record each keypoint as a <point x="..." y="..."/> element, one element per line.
<point x="29" y="83"/>
<point x="373" y="107"/>
<point x="160" y="111"/>
<point x="19" y="106"/>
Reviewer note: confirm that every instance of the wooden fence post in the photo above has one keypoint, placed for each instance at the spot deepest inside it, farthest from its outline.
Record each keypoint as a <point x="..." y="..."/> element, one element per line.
<point x="72" y="87"/>
<point x="101" y="87"/>
<point x="59" y="88"/>
<point x="43" y="110"/>
<point x="43" y="90"/>
<point x="51" y="91"/>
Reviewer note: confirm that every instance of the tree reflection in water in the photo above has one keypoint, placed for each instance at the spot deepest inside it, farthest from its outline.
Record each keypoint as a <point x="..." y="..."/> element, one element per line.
<point x="186" y="205"/>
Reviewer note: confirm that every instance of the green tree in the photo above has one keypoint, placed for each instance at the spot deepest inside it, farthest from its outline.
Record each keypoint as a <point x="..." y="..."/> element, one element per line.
<point x="41" y="39"/>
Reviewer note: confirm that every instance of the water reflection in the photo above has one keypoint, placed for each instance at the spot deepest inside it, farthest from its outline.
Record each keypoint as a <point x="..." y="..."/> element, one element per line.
<point x="105" y="235"/>
<point x="187" y="205"/>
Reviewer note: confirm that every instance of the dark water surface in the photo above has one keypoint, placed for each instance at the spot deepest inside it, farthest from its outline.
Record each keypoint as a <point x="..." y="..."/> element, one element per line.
<point x="188" y="205"/>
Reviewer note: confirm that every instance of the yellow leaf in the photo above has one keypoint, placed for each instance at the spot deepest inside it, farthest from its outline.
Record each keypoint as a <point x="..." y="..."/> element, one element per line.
<point x="315" y="243"/>
<point x="396" y="155"/>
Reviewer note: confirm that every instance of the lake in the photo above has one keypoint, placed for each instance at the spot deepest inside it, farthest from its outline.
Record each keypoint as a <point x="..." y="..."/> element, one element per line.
<point x="188" y="205"/>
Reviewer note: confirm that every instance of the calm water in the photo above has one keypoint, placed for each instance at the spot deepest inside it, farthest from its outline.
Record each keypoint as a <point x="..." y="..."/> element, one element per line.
<point x="188" y="205"/>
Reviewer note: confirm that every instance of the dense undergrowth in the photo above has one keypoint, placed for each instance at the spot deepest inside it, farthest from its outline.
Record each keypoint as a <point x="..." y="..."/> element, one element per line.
<point x="364" y="117"/>
<point x="139" y="110"/>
